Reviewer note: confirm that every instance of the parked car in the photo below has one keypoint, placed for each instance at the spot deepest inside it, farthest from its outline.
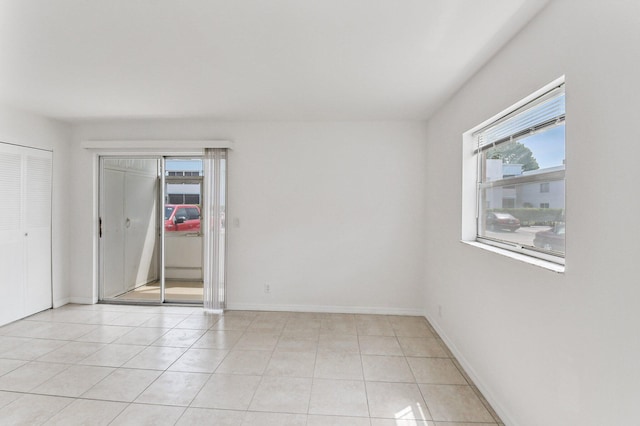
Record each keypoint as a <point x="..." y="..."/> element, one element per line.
<point x="552" y="239"/>
<point x="181" y="217"/>
<point x="496" y="221"/>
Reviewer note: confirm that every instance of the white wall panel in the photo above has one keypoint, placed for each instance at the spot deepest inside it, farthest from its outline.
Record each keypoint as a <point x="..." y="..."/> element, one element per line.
<point x="329" y="214"/>
<point x="548" y="348"/>
<point x="183" y="257"/>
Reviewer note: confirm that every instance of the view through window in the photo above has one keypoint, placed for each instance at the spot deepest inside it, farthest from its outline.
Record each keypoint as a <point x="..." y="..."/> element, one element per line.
<point x="521" y="178"/>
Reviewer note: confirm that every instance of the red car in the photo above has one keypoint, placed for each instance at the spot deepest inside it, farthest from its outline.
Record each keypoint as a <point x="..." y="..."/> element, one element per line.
<point x="181" y="217"/>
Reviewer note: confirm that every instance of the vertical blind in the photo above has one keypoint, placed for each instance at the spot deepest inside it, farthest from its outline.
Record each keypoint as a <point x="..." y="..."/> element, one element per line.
<point x="213" y="228"/>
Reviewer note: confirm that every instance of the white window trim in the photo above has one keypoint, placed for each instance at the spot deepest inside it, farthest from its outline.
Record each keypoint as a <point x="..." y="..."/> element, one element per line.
<point x="168" y="145"/>
<point x="470" y="194"/>
<point x="551" y="266"/>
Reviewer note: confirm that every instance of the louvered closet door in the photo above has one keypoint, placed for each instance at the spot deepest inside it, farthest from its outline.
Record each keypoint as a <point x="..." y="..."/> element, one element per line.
<point x="12" y="239"/>
<point x="25" y="231"/>
<point x="38" y="166"/>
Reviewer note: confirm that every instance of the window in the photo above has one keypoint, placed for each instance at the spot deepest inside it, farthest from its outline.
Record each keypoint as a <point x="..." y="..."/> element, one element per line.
<point x="518" y="195"/>
<point x="192" y="213"/>
<point x="182" y="173"/>
<point x="167" y="212"/>
<point x="192" y="198"/>
<point x="508" y="203"/>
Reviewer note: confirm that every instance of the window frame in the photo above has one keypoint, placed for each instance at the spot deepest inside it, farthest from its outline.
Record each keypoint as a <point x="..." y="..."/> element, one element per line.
<point x="545" y="187"/>
<point x="471" y="197"/>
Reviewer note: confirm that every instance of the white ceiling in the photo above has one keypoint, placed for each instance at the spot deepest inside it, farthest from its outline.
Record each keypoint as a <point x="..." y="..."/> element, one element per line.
<point x="247" y="59"/>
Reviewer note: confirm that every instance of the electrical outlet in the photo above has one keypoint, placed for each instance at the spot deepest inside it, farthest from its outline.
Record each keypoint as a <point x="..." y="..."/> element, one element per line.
<point x="267" y="288"/>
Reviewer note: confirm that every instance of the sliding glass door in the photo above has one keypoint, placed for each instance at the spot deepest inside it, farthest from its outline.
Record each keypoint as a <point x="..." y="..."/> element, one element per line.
<point x="161" y="230"/>
<point x="183" y="240"/>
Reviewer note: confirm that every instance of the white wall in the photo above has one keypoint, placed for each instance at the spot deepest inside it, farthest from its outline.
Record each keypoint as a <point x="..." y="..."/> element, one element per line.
<point x="330" y="214"/>
<point x="547" y="348"/>
<point x="26" y="129"/>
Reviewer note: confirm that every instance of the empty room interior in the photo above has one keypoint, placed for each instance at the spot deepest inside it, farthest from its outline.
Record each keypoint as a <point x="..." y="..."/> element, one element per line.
<point x="306" y="212"/>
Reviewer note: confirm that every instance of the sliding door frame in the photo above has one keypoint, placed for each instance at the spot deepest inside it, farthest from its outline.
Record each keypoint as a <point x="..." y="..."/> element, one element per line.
<point x="215" y="288"/>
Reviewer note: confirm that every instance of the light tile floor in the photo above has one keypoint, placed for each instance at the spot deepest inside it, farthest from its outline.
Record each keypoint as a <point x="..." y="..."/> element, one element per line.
<point x="175" y="290"/>
<point x="166" y="365"/>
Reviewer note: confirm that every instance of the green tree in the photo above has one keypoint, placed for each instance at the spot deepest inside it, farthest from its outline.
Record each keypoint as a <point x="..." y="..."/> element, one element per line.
<point x="514" y="153"/>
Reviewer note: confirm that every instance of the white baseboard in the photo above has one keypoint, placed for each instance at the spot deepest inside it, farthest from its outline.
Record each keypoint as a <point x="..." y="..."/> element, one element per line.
<point x="82" y="300"/>
<point x="468" y="368"/>
<point x="325" y="309"/>
<point x="61" y="302"/>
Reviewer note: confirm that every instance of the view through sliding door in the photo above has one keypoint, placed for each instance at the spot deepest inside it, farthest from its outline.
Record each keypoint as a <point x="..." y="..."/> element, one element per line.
<point x="183" y="237"/>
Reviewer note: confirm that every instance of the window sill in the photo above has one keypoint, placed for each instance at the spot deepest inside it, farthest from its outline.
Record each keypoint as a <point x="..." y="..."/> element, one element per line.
<point x="518" y="256"/>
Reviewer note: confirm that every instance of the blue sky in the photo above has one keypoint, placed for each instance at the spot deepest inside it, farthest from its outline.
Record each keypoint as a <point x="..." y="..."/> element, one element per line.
<point x="547" y="147"/>
<point x="183" y="165"/>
